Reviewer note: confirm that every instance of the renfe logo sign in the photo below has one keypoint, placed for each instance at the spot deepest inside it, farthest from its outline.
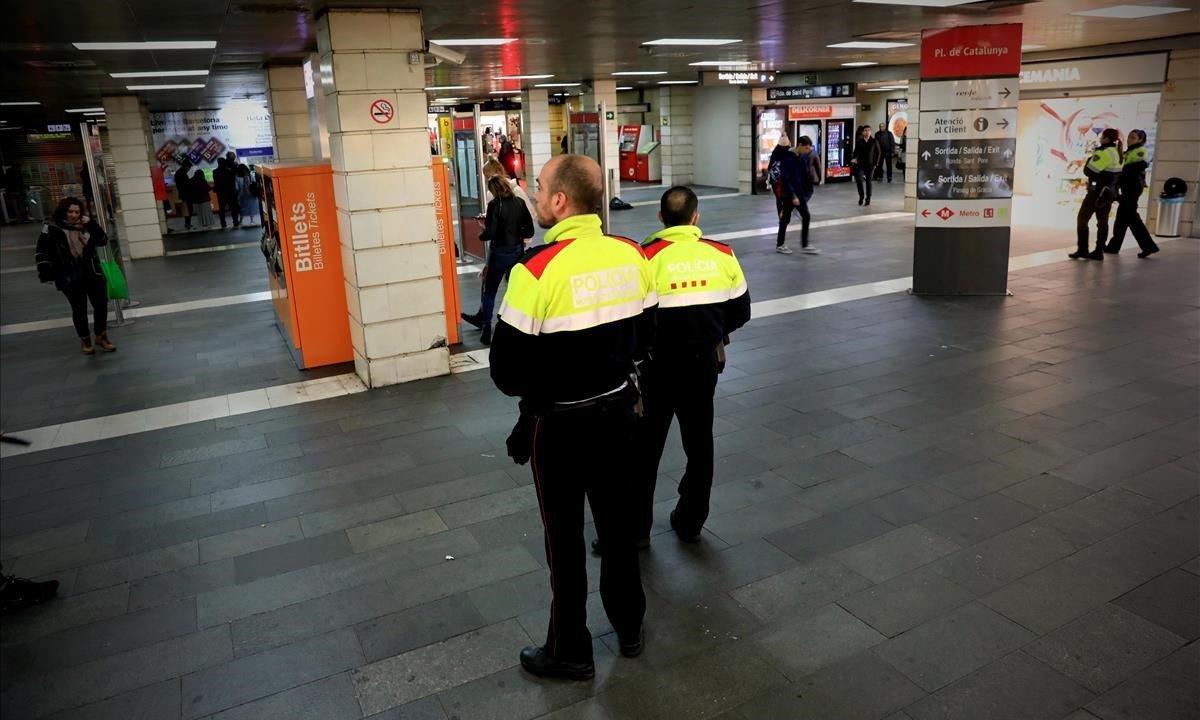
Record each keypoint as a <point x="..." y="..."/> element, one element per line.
<point x="306" y="235"/>
<point x="971" y="51"/>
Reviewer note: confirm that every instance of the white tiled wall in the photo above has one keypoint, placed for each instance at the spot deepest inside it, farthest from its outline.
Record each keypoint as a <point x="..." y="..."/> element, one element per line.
<point x="289" y="112"/>
<point x="1177" y="147"/>
<point x="138" y="218"/>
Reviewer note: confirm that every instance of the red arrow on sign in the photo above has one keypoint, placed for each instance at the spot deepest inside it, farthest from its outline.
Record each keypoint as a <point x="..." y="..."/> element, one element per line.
<point x="925" y="212"/>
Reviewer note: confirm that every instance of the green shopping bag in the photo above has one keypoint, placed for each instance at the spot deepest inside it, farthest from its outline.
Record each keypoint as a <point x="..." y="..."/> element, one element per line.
<point x="118" y="289"/>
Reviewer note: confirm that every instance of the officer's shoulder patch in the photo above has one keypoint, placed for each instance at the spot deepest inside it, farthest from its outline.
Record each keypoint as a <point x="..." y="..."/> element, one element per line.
<point x="718" y="245"/>
<point x="654" y="247"/>
<point x="537" y="258"/>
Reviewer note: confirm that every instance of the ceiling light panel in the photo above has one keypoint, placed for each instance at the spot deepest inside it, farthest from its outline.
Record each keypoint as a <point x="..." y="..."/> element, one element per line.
<point x="524" y="77"/>
<point x="473" y="42"/>
<point x="161" y="73"/>
<point x="693" y="41"/>
<point x="435" y="88"/>
<point x="678" y="82"/>
<point x="18" y="104"/>
<point x="919" y="3"/>
<point x="634" y="73"/>
<point x="860" y="63"/>
<point x="178" y="86"/>
<point x="1130" y="12"/>
<point x="550" y="85"/>
<point x="721" y="63"/>
<point x="505" y="92"/>
<point x="85" y="110"/>
<point x="152" y="45"/>
<point x="869" y="45"/>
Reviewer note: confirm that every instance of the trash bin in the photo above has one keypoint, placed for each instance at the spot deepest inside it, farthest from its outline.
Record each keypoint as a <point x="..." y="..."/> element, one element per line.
<point x="1170" y="207"/>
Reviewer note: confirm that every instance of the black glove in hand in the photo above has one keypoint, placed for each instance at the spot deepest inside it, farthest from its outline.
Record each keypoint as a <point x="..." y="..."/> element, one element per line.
<point x="520" y="440"/>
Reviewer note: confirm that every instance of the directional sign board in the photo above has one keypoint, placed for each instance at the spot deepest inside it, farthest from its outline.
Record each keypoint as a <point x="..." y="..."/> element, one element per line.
<point x="972" y="93"/>
<point x="964" y="213"/>
<point x="964" y="185"/>
<point x="967" y="155"/>
<point x="968" y="124"/>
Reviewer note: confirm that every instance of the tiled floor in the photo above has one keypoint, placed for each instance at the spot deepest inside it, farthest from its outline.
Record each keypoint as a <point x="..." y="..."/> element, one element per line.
<point x="926" y="508"/>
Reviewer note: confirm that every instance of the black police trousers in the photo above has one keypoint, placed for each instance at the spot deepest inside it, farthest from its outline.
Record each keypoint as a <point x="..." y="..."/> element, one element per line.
<point x="682" y="388"/>
<point x="1093" y="204"/>
<point x="1128" y="218"/>
<point x="576" y="454"/>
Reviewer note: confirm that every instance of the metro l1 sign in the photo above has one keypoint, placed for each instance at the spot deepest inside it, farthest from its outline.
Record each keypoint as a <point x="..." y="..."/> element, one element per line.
<point x="971" y="51"/>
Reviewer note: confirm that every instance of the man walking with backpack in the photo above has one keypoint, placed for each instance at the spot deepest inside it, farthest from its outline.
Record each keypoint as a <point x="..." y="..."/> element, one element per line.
<point x="783" y="175"/>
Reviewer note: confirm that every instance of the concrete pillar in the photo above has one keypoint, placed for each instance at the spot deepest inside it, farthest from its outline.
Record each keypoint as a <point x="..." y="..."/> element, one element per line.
<point x="675" y="119"/>
<point x="605" y="91"/>
<point x="288" y="104"/>
<point x="535" y="132"/>
<point x="150" y="153"/>
<point x="745" y="142"/>
<point x="912" y="137"/>
<point x="1175" y="150"/>
<point x="137" y="210"/>
<point x="383" y="186"/>
<point x="558" y="127"/>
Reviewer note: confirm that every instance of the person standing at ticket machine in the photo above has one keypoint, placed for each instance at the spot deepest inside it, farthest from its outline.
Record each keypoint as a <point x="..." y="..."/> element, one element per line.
<point x="1102" y="170"/>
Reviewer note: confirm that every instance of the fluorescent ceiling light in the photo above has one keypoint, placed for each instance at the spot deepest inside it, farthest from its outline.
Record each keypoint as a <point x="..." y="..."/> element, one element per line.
<point x="721" y="63"/>
<point x="433" y="88"/>
<point x="624" y="87"/>
<point x="860" y="63"/>
<point x="524" y="77"/>
<point x="505" y="92"/>
<point x="473" y="42"/>
<point x="887" y="88"/>
<point x="93" y="114"/>
<point x="869" y="45"/>
<point x="678" y="82"/>
<point x="919" y="3"/>
<point x="181" y="86"/>
<point x="15" y="104"/>
<point x="152" y="45"/>
<point x="448" y="101"/>
<point x="632" y="73"/>
<point x="558" y="85"/>
<point x="1130" y="12"/>
<point x="85" y="110"/>
<point x="693" y="41"/>
<point x="1027" y="48"/>
<point x="161" y="73"/>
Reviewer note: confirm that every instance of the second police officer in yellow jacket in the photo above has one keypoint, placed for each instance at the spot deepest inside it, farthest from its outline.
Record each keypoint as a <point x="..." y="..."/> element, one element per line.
<point x="1131" y="183"/>
<point x="1102" y="169"/>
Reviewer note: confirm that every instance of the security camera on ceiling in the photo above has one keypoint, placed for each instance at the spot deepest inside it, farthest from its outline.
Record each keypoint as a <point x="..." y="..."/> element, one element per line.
<point x="445" y="54"/>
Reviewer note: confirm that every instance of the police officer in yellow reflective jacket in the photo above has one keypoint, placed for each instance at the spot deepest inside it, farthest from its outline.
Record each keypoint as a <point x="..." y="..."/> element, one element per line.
<point x="1101" y="170"/>
<point x="702" y="298"/>
<point x="577" y="313"/>
<point x="1131" y="183"/>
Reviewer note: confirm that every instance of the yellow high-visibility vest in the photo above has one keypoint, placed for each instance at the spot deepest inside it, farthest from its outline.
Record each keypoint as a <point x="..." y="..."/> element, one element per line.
<point x="689" y="270"/>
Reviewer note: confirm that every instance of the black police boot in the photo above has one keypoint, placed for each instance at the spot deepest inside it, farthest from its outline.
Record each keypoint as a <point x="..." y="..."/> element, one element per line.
<point x="18" y="593"/>
<point x="476" y="320"/>
<point x="1147" y="253"/>
<point x="486" y="337"/>
<point x="688" y="536"/>
<point x="632" y="647"/>
<point x="1079" y="255"/>
<point x="541" y="663"/>
<point x="1097" y="254"/>
<point x="642" y="544"/>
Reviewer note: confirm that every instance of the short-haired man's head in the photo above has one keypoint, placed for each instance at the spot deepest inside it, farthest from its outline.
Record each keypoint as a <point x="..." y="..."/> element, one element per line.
<point x="678" y="206"/>
<point x="499" y="187"/>
<point x="578" y="177"/>
<point x="805" y="141"/>
<point x="493" y="167"/>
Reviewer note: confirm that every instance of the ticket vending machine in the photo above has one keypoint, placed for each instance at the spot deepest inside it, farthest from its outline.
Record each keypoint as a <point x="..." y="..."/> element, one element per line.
<point x="649" y="162"/>
<point x="471" y="197"/>
<point x="630" y="136"/>
<point x="304" y="262"/>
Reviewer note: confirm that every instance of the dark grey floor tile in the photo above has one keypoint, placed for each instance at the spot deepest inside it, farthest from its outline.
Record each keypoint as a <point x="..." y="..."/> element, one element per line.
<point x="1016" y="686"/>
<point x="153" y="702"/>
<point x="979" y="479"/>
<point x="309" y="618"/>
<point x="1166" y="690"/>
<point x="505" y="502"/>
<point x="384" y="562"/>
<point x="512" y="597"/>
<point x="906" y="601"/>
<point x="1114" y="464"/>
<point x="980" y="519"/>
<point x="998" y="561"/>
<point x="1046" y="492"/>
<point x="895" y="552"/>
<point x="834" y="495"/>
<point x="1171" y="601"/>
<point x="181" y="584"/>
<point x="814" y="539"/>
<point x="232" y="603"/>
<point x="862" y="687"/>
<point x="814" y="470"/>
<point x="913" y="504"/>
<point x="408" y="629"/>
<point x="730" y="568"/>
<point x="1104" y="647"/>
<point x="42" y="540"/>
<point x="400" y="679"/>
<point x="247" y="540"/>
<point x="805" y="644"/>
<point x="1097" y="516"/>
<point x="458" y="575"/>
<point x="1166" y="484"/>
<point x="65" y="613"/>
<point x="428" y="708"/>
<point x="331" y="698"/>
<point x="1056" y="594"/>
<point x="953" y="645"/>
<point x="394" y="529"/>
<point x="753" y="521"/>
<point x="136" y="567"/>
<point x="256" y="676"/>
<point x="285" y="558"/>
<point x="799" y="590"/>
<point x="510" y="694"/>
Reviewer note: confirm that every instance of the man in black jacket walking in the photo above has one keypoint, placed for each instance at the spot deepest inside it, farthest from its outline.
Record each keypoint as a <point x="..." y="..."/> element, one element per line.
<point x="226" y="186"/>
<point x="183" y="187"/>
<point x="887" y="151"/>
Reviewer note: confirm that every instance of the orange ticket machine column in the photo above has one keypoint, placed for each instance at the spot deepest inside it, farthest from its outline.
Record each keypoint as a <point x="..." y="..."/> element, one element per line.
<point x="304" y="262"/>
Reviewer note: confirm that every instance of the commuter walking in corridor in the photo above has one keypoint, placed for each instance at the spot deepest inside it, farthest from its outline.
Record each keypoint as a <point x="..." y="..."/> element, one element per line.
<point x="863" y="161"/>
<point x="66" y="256"/>
<point x="507" y="225"/>
<point x="577" y="313"/>
<point x="1130" y="184"/>
<point x="887" y="152"/>
<point x="808" y="169"/>
<point x="783" y="176"/>
<point x="702" y="298"/>
<point x="1102" y="169"/>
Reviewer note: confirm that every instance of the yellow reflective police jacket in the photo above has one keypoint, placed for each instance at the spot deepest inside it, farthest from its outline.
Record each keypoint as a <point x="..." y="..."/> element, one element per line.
<point x="702" y="292"/>
<point x="1133" y="172"/>
<point x="576" y="313"/>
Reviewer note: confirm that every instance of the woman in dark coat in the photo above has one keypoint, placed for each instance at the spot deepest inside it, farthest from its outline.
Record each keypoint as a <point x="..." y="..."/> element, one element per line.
<point x="66" y="256"/>
<point x="507" y="225"/>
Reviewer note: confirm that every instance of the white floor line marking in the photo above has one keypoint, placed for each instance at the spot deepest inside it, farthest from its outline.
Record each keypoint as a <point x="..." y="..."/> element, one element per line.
<point x="645" y="203"/>
<point x="19" y="247"/>
<point x="795" y="225"/>
<point x="214" y="248"/>
<point x="469" y="268"/>
<point x="11" y="270"/>
<point x="219" y="406"/>
<point x="141" y="312"/>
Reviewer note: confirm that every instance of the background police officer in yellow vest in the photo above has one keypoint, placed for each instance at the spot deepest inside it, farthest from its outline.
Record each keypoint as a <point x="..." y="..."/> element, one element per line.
<point x="570" y="325"/>
<point x="1130" y="184"/>
<point x="1101" y="171"/>
<point x="702" y="298"/>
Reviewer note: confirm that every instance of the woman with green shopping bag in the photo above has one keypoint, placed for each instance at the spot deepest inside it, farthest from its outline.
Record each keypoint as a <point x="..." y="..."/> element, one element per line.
<point x="66" y="255"/>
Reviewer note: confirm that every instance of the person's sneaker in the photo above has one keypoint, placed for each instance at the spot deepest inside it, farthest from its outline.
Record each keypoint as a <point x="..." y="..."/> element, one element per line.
<point x="486" y="337"/>
<point x="633" y="647"/>
<point x="810" y="251"/>
<point x="85" y="346"/>
<point x="1147" y="253"/>
<point x="537" y="661"/>
<point x="685" y="535"/>
<point x="783" y="250"/>
<point x="474" y="320"/>
<point x="1096" y="254"/>
<point x="1079" y="255"/>
<point x="104" y="343"/>
<point x="18" y="593"/>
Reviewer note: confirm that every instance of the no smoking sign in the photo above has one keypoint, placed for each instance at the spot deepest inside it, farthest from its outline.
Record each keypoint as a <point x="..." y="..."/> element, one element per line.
<point x="382" y="111"/>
